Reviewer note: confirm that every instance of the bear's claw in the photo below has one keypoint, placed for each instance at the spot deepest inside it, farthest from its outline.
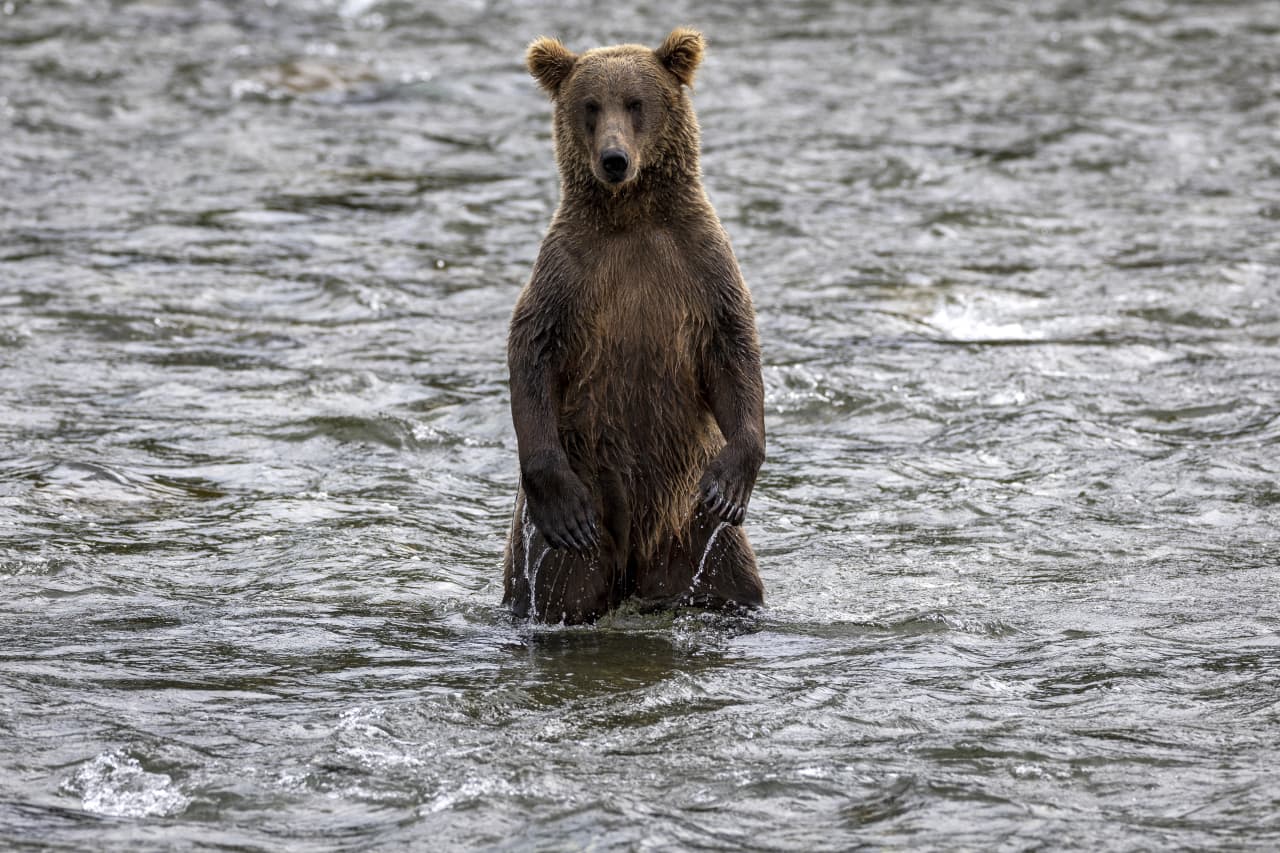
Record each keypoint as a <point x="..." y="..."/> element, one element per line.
<point x="730" y="510"/>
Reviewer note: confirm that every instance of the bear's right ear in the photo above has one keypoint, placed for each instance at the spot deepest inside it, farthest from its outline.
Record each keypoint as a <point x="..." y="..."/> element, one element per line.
<point x="550" y="63"/>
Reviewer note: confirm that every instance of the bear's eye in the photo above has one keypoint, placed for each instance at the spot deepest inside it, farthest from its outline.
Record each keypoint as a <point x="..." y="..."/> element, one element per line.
<point x="635" y="106"/>
<point x="591" y="108"/>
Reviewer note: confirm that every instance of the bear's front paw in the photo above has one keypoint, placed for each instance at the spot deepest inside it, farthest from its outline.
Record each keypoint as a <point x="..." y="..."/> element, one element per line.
<point x="562" y="510"/>
<point x="725" y="491"/>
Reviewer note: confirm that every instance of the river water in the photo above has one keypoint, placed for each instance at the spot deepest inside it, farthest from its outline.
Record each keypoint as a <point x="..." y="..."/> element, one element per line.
<point x="1016" y="267"/>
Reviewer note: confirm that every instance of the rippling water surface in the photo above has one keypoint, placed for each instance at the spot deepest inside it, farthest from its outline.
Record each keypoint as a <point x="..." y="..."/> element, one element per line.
<point x="1017" y="271"/>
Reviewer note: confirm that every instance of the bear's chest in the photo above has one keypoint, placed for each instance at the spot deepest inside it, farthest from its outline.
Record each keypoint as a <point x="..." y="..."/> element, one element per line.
<point x="642" y="330"/>
<point x="643" y="298"/>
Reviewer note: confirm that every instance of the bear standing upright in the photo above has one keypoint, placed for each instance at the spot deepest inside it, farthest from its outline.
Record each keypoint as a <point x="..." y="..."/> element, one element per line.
<point x="635" y="366"/>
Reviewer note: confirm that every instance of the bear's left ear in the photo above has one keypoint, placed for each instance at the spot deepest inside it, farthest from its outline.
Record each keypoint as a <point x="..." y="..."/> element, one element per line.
<point x="681" y="53"/>
<point x="550" y="63"/>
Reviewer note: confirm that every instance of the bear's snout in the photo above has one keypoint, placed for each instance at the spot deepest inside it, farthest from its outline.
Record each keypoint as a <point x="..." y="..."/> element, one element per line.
<point x="614" y="162"/>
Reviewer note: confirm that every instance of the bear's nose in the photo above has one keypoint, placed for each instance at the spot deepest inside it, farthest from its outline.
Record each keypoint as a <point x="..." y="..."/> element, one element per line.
<point x="614" y="162"/>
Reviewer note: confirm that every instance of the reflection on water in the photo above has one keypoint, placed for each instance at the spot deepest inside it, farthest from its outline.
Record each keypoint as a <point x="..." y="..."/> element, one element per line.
<point x="1016" y="272"/>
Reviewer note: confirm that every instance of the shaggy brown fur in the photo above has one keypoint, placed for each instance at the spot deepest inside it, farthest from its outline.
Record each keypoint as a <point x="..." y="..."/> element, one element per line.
<point x="635" y="367"/>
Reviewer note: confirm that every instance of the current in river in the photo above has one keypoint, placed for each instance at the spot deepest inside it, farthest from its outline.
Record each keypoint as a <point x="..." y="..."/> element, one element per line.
<point x="1016" y="267"/>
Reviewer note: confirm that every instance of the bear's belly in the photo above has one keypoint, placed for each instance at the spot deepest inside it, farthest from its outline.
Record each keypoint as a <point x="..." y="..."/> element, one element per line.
<point x="636" y="409"/>
<point x="646" y="396"/>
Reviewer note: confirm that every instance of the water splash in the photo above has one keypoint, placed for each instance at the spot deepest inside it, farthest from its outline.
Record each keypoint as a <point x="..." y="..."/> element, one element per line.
<point x="527" y="531"/>
<point x="702" y="564"/>
<point x="531" y="572"/>
<point x="531" y="578"/>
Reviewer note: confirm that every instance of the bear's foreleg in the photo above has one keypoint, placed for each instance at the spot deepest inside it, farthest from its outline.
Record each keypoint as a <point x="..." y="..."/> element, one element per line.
<point x="560" y="504"/>
<point x="734" y="388"/>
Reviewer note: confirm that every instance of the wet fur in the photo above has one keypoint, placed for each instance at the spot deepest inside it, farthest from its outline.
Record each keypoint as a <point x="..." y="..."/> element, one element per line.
<point x="635" y="367"/>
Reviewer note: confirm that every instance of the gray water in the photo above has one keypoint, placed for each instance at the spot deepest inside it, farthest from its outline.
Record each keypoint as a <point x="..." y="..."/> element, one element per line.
<point x="1016" y="268"/>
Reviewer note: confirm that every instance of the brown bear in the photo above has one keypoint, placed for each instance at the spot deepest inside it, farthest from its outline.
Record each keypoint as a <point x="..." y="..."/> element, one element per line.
<point x="635" y="365"/>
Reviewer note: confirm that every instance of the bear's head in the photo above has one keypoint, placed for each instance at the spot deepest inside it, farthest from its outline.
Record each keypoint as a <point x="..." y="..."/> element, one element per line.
<point x="621" y="112"/>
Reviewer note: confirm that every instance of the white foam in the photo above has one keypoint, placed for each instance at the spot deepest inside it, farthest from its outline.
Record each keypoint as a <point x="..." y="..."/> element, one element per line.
<point x="969" y="321"/>
<point x="115" y="784"/>
<point x="364" y="735"/>
<point x="469" y="791"/>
